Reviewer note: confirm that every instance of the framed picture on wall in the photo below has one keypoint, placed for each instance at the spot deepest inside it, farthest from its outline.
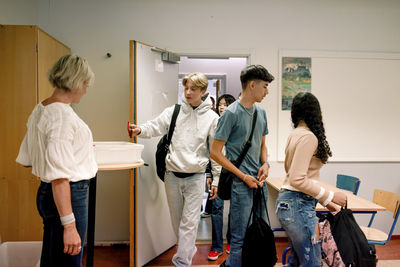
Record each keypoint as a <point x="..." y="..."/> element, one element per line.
<point x="296" y="77"/>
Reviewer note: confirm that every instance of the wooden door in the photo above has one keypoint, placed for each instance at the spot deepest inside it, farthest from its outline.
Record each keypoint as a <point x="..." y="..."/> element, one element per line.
<point x="49" y="51"/>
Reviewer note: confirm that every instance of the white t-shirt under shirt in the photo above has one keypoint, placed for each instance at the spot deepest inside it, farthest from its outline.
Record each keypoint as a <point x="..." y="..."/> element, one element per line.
<point x="58" y="144"/>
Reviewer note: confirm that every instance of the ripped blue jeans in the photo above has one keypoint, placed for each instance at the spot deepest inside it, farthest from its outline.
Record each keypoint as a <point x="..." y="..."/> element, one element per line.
<point x="296" y="213"/>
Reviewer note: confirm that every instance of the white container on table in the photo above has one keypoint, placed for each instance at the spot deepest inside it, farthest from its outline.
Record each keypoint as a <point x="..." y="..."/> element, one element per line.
<point x="109" y="153"/>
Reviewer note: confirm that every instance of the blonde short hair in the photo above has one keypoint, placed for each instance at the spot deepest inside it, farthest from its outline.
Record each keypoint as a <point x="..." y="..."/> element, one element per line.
<point x="70" y="73"/>
<point x="199" y="80"/>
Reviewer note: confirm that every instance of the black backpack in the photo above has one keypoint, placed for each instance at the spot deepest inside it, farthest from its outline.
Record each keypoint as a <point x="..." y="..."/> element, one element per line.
<point x="259" y="241"/>
<point x="163" y="145"/>
<point x="350" y="240"/>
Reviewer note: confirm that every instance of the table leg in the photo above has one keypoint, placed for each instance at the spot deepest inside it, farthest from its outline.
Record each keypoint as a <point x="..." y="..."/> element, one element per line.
<point x="91" y="222"/>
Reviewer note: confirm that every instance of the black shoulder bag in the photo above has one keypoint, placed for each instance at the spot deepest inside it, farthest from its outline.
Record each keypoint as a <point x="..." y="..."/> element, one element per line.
<point x="226" y="177"/>
<point x="350" y="240"/>
<point x="163" y="145"/>
<point x="259" y="238"/>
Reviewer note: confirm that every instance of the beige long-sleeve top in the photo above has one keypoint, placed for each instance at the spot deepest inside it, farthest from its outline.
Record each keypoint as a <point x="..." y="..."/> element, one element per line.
<point x="301" y="166"/>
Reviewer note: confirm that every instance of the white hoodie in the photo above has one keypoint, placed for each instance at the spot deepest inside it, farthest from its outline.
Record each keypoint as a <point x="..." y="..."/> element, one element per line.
<point x="189" y="151"/>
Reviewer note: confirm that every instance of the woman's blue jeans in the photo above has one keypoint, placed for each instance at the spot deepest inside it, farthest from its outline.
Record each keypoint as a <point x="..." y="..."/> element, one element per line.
<point x="296" y="213"/>
<point x="53" y="236"/>
<point x="217" y="223"/>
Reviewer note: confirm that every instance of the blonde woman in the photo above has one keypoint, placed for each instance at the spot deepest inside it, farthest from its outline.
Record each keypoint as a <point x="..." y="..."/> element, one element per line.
<point x="59" y="147"/>
<point x="187" y="160"/>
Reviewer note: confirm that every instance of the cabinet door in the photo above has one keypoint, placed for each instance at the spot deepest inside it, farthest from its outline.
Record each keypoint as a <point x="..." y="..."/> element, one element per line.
<point x="49" y="51"/>
<point x="19" y="219"/>
<point x="19" y="75"/>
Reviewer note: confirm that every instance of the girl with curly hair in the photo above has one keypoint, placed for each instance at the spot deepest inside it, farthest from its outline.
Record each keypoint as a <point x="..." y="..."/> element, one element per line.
<point x="306" y="151"/>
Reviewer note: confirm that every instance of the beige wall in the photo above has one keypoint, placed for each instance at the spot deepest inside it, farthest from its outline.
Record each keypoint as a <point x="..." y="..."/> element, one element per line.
<point x="256" y="28"/>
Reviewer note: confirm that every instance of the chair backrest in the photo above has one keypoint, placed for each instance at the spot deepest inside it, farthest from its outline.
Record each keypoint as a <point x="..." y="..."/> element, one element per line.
<point x="389" y="200"/>
<point x="348" y="182"/>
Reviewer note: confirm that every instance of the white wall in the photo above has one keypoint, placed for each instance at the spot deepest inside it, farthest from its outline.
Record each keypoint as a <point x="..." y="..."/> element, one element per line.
<point x="18" y="12"/>
<point x="259" y="28"/>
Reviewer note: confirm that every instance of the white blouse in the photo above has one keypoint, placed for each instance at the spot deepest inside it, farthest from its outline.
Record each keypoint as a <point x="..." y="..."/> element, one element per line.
<point x="58" y="144"/>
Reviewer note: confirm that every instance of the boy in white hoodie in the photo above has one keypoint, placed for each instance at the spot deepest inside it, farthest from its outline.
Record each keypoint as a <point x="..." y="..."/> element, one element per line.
<point x="186" y="162"/>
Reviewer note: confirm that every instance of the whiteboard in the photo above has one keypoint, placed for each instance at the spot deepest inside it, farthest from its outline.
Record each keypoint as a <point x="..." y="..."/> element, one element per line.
<point x="156" y="89"/>
<point x="359" y="94"/>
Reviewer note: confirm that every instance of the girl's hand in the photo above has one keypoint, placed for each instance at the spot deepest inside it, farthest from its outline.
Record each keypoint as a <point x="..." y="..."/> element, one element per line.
<point x="339" y="198"/>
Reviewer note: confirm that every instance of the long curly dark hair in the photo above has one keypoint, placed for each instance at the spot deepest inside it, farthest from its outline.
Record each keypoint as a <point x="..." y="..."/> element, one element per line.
<point x="305" y="107"/>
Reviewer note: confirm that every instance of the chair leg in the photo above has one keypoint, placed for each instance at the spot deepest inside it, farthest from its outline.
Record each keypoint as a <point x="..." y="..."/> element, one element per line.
<point x="284" y="255"/>
<point x="371" y="220"/>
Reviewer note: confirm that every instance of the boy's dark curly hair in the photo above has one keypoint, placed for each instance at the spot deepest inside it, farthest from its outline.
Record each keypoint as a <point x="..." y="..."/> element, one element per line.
<point x="305" y="107"/>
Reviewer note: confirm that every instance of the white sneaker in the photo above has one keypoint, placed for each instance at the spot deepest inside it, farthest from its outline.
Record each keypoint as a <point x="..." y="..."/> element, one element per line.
<point x="205" y="215"/>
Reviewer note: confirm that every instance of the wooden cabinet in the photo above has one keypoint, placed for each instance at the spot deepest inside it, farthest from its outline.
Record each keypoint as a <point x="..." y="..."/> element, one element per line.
<point x="26" y="54"/>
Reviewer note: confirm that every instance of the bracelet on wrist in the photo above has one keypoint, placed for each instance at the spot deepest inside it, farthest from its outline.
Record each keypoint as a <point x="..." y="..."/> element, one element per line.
<point x="321" y="193"/>
<point x="329" y="199"/>
<point x="70" y="218"/>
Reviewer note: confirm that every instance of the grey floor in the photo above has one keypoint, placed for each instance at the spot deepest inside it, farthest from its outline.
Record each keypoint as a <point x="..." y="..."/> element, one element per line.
<point x="204" y="230"/>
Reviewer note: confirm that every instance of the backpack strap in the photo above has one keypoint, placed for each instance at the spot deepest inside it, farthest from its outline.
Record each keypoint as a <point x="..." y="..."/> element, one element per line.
<point x="172" y="125"/>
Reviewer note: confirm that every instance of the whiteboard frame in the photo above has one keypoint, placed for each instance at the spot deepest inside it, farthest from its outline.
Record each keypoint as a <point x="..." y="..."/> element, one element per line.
<point x="337" y="55"/>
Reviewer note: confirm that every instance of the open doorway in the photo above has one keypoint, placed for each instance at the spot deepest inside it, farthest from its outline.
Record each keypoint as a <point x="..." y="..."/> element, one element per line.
<point x="153" y="87"/>
<point x="223" y="75"/>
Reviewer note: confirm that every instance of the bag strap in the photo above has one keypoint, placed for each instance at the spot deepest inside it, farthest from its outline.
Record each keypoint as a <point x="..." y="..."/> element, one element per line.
<point x="248" y="143"/>
<point x="266" y="207"/>
<point x="172" y="125"/>
<point x="258" y="197"/>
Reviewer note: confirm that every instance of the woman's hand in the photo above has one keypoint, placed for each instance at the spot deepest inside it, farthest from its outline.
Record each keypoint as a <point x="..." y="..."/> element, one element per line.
<point x="72" y="240"/>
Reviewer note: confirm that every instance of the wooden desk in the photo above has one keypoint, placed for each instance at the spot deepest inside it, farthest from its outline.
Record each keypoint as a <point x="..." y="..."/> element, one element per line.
<point x="92" y="206"/>
<point x="355" y="203"/>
